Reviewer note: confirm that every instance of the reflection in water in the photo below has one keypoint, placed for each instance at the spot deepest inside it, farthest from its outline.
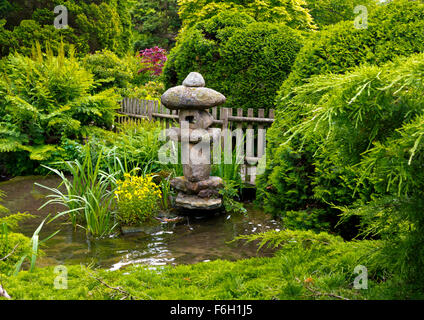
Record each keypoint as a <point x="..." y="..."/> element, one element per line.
<point x="196" y="239"/>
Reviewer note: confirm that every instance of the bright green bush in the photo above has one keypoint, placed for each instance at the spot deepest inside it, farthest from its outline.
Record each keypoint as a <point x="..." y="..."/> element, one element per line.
<point x="293" y="13"/>
<point x="302" y="171"/>
<point x="151" y="90"/>
<point x="44" y="98"/>
<point x="18" y="241"/>
<point x="244" y="60"/>
<point x="135" y="144"/>
<point x="326" y="12"/>
<point x="92" y="26"/>
<point x="110" y="71"/>
<point x="29" y="32"/>
<point x="358" y="138"/>
<point x="393" y="29"/>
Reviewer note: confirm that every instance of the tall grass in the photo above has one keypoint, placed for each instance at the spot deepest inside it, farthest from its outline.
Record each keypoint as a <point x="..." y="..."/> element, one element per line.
<point x="230" y="172"/>
<point x="88" y="195"/>
<point x="33" y="254"/>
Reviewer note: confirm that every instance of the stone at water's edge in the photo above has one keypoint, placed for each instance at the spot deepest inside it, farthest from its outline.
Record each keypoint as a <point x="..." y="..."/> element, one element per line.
<point x="208" y="193"/>
<point x="192" y="202"/>
<point x="145" y="228"/>
<point x="196" y="172"/>
<point x="186" y="186"/>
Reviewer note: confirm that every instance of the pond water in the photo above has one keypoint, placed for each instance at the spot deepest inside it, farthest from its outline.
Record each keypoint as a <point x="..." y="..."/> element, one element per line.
<point x="195" y="239"/>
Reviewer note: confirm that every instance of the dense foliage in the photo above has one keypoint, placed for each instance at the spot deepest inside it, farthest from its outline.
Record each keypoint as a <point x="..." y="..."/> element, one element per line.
<point x="290" y="12"/>
<point x="44" y="99"/>
<point x="356" y="139"/>
<point x="245" y="60"/>
<point x="93" y="25"/>
<point x="156" y="23"/>
<point x="393" y="29"/>
<point x="344" y="155"/>
<point x="328" y="12"/>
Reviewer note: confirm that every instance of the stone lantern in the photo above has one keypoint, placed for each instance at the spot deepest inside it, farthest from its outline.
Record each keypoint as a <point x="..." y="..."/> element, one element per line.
<point x="197" y="190"/>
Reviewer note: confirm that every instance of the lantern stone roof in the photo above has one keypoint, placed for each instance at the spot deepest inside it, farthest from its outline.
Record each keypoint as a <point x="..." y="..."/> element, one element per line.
<point x="192" y="95"/>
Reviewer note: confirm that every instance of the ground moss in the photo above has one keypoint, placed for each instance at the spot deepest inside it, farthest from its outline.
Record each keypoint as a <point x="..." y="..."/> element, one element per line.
<point x="298" y="271"/>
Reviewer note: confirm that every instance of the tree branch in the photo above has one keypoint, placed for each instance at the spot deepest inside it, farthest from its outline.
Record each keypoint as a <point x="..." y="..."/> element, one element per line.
<point x="119" y="289"/>
<point x="318" y="293"/>
<point x="3" y="293"/>
<point x="10" y="253"/>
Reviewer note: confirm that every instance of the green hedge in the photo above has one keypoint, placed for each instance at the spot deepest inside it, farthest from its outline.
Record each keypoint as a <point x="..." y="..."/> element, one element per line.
<point x="290" y="12"/>
<point x="393" y="29"/>
<point x="304" y="172"/>
<point x="334" y="131"/>
<point x="327" y="12"/>
<point x="245" y="60"/>
<point x="92" y="26"/>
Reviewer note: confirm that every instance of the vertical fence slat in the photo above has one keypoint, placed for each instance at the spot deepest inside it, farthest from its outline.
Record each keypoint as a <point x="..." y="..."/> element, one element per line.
<point x="150" y="110"/>
<point x="125" y="109"/>
<point x="214" y="112"/>
<point x="240" y="144"/>
<point x="250" y="143"/>
<point x="137" y="110"/>
<point x="261" y="134"/>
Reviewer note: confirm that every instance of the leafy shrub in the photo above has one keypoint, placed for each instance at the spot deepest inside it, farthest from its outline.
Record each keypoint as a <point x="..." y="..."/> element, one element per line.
<point x="43" y="99"/>
<point x="156" y="22"/>
<point x="292" y="13"/>
<point x="109" y="70"/>
<point x="315" y="167"/>
<point x="92" y="26"/>
<point x="28" y="32"/>
<point x="363" y="133"/>
<point x="326" y="12"/>
<point x="393" y="29"/>
<point x="230" y="197"/>
<point x="152" y="90"/>
<point x="244" y="60"/>
<point x="136" y="144"/>
<point x="137" y="199"/>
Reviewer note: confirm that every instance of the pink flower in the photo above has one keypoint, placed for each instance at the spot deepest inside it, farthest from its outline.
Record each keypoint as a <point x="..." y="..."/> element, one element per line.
<point x="153" y="60"/>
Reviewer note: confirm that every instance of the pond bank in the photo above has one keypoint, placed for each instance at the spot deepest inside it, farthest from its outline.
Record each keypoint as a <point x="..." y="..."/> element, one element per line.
<point x="195" y="239"/>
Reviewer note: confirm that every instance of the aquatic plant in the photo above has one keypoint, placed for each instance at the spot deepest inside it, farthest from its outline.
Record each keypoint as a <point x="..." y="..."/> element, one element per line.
<point x="15" y="248"/>
<point x="88" y="195"/>
<point x="229" y="170"/>
<point x="34" y="251"/>
<point x="137" y="199"/>
<point x="230" y="196"/>
<point x="165" y="187"/>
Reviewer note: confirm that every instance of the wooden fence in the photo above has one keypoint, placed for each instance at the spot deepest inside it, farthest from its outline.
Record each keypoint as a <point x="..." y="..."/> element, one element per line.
<point x="252" y="125"/>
